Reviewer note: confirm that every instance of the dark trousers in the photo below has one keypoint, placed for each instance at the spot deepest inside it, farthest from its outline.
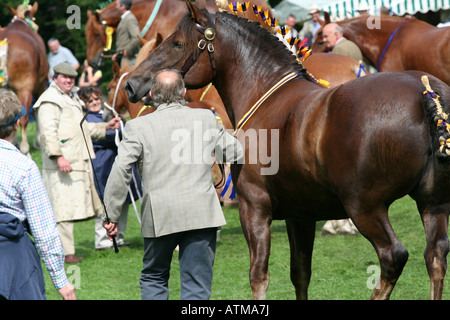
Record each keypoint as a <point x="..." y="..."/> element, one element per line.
<point x="196" y="258"/>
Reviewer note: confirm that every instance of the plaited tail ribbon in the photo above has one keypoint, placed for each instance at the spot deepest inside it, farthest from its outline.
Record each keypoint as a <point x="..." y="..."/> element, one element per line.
<point x="441" y="118"/>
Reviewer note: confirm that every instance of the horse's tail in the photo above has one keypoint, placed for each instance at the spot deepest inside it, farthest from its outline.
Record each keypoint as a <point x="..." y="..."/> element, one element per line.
<point x="437" y="112"/>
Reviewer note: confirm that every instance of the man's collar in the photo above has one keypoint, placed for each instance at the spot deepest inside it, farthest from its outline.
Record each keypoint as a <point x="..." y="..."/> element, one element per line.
<point x="5" y="144"/>
<point x="124" y="14"/>
<point x="339" y="41"/>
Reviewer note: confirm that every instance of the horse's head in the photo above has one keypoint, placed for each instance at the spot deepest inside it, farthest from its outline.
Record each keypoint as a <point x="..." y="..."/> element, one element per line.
<point x="188" y="49"/>
<point x="115" y="89"/>
<point x="95" y="35"/>
<point x="318" y="42"/>
<point x="26" y="12"/>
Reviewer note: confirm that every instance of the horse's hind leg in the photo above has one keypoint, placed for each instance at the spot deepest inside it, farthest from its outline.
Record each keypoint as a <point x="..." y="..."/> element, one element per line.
<point x="301" y="240"/>
<point x="435" y="222"/>
<point x="375" y="226"/>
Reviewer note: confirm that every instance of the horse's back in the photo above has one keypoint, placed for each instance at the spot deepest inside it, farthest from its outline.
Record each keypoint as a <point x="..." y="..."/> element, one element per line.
<point x="334" y="68"/>
<point x="27" y="61"/>
<point x="384" y="145"/>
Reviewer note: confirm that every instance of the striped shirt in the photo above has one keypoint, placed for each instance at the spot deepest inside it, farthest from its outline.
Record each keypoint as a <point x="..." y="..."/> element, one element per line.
<point x="23" y="195"/>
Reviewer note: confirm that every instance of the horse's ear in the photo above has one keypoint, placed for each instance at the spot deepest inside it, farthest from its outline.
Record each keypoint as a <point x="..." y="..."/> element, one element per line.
<point x="97" y="15"/>
<point x="11" y="9"/>
<point x="327" y="17"/>
<point x="89" y="14"/>
<point x="116" y="69"/>
<point x="34" y="8"/>
<point x="142" y="40"/>
<point x="159" y="39"/>
<point x="197" y="15"/>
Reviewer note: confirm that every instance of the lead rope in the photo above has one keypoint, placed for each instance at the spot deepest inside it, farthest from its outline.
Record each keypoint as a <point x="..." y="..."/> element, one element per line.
<point x="117" y="141"/>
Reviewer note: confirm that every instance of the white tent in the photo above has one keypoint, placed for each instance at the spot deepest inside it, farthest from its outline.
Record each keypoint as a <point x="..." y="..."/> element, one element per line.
<point x="347" y="8"/>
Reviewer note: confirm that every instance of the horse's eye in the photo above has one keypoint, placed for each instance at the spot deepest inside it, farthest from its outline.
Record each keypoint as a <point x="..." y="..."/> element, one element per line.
<point x="178" y="44"/>
<point x="97" y="36"/>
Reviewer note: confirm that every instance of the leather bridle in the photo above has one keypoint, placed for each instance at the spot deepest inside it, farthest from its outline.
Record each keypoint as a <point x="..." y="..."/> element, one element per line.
<point x="209" y="34"/>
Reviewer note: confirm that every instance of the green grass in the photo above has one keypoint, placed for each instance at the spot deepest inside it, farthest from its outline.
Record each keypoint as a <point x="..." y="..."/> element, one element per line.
<point x="340" y="263"/>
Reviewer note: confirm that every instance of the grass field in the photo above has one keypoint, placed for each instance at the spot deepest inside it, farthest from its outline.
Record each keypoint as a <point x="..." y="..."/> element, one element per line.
<point x="342" y="265"/>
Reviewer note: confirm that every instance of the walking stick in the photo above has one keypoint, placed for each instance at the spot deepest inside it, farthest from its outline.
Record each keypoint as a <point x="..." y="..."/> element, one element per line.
<point x="116" y="248"/>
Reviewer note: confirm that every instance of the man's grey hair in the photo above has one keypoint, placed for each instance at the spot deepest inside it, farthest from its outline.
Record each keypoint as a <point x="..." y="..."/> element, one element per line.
<point x="52" y="40"/>
<point x="10" y="106"/>
<point x="337" y="28"/>
<point x="167" y="86"/>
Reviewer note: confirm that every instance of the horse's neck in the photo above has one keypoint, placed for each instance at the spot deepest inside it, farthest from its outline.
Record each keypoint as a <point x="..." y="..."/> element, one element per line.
<point x="254" y="70"/>
<point x="371" y="34"/>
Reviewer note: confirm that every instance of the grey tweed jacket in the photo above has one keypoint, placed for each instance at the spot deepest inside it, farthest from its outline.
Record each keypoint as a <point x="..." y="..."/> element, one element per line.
<point x="173" y="148"/>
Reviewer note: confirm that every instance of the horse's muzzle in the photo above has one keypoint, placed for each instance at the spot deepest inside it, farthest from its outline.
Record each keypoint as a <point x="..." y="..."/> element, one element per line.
<point x="132" y="94"/>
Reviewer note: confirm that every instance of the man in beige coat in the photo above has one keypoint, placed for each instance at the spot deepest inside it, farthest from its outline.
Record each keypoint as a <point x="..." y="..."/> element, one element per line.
<point x="66" y="167"/>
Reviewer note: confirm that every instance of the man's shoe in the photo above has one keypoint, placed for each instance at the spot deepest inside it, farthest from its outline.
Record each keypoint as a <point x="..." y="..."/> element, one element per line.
<point x="71" y="258"/>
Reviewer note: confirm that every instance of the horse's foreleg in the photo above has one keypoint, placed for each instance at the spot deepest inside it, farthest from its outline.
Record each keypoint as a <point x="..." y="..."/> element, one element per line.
<point x="256" y="226"/>
<point x="301" y="241"/>
<point x="435" y="222"/>
<point x="375" y="226"/>
<point x="25" y="98"/>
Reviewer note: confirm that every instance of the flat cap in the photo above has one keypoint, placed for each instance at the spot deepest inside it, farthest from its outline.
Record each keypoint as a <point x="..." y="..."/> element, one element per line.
<point x="65" y="68"/>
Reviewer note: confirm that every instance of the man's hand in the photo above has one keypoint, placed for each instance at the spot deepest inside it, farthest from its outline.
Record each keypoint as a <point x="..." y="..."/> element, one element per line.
<point x="63" y="164"/>
<point x="67" y="292"/>
<point x="113" y="124"/>
<point x="111" y="229"/>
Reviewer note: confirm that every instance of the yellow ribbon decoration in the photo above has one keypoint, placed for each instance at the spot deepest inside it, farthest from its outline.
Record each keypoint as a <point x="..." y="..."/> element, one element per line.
<point x="258" y="103"/>
<point x="142" y="110"/>
<point x="109" y="33"/>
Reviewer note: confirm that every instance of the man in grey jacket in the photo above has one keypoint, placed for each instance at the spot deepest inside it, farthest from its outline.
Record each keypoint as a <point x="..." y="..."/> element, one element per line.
<point x="127" y="42"/>
<point x="174" y="149"/>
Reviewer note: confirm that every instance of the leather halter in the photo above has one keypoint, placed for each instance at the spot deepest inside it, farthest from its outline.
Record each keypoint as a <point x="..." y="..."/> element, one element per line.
<point x="206" y="42"/>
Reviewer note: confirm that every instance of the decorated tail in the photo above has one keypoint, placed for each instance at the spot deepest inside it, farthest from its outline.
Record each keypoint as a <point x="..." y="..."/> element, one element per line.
<point x="438" y="117"/>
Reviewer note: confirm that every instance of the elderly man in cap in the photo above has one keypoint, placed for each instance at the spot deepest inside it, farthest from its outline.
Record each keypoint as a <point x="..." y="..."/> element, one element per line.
<point x="67" y="170"/>
<point x="310" y="27"/>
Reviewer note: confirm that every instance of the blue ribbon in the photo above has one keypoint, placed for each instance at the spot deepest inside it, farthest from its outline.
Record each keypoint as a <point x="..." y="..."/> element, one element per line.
<point x="389" y="41"/>
<point x="225" y="189"/>
<point x="361" y="67"/>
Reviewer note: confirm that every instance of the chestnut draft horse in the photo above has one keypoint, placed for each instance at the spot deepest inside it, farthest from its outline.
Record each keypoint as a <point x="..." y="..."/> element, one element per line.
<point x="27" y="66"/>
<point x="348" y="151"/>
<point x="398" y="44"/>
<point x="167" y="17"/>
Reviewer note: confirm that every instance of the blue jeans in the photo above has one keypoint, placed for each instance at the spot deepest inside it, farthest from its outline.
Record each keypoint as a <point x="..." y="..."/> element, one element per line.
<point x="196" y="258"/>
